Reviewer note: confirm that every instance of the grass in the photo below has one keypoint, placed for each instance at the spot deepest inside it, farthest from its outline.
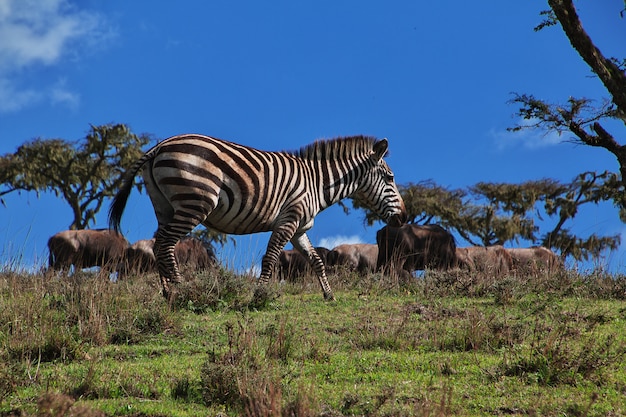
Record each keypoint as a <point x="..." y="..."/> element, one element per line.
<point x="447" y="344"/>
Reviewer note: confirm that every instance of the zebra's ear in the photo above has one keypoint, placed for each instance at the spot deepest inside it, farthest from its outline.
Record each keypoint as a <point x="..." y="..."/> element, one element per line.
<point x="380" y="149"/>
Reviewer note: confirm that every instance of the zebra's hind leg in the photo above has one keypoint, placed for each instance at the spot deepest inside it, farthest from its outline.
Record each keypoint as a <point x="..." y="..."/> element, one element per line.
<point x="167" y="266"/>
<point x="164" y="245"/>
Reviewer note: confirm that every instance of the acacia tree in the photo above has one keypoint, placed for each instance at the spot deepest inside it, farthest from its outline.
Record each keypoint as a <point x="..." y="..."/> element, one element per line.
<point x="83" y="173"/>
<point x="582" y="116"/>
<point x="489" y="214"/>
<point x="540" y="211"/>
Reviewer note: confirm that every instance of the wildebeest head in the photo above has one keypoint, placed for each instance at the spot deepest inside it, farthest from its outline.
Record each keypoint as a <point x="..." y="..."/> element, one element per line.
<point x="485" y="259"/>
<point x="194" y="254"/>
<point x="535" y="259"/>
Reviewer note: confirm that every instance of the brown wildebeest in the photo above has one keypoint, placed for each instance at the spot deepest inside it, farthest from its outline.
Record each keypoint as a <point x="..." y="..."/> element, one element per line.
<point x="139" y="258"/>
<point x="485" y="259"/>
<point x="464" y="260"/>
<point x="360" y="257"/>
<point x="190" y="253"/>
<point x="293" y="265"/>
<point x="413" y="247"/>
<point x="194" y="254"/>
<point x="534" y="260"/>
<point x="85" y="249"/>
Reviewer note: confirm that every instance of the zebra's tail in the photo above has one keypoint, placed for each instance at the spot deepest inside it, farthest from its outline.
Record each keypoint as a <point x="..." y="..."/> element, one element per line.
<point x="119" y="201"/>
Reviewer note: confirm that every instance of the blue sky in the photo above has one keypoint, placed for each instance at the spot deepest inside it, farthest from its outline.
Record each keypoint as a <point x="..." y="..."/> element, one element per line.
<point x="432" y="77"/>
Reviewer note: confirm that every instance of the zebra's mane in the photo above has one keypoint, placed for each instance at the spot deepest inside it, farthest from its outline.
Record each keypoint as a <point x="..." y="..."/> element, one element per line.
<point x="338" y="148"/>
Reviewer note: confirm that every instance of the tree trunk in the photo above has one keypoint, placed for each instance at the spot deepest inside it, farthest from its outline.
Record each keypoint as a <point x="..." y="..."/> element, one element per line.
<point x="613" y="78"/>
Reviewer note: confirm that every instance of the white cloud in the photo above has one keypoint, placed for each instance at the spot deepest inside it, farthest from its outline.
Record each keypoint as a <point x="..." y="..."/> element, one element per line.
<point x="332" y="241"/>
<point x="529" y="138"/>
<point x="61" y="95"/>
<point x="41" y="32"/>
<point x="13" y="98"/>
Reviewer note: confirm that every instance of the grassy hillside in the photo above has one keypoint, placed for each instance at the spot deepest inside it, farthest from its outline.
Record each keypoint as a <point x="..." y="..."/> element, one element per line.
<point x="442" y="345"/>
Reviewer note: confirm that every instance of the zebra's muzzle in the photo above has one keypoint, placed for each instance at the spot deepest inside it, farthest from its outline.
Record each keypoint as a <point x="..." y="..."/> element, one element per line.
<point x="397" y="220"/>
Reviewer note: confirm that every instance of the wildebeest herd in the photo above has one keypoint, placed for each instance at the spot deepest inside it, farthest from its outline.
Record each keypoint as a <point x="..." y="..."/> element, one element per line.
<point x="401" y="250"/>
<point x="110" y="251"/>
<point x="409" y="248"/>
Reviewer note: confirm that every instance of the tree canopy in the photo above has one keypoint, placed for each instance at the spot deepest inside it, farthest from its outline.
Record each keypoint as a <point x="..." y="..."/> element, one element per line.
<point x="83" y="173"/>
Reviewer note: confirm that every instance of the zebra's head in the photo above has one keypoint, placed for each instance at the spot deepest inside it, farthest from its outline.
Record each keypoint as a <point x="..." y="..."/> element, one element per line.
<point x="378" y="190"/>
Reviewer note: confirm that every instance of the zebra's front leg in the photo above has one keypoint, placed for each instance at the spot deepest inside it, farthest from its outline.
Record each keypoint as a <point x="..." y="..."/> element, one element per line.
<point x="302" y="243"/>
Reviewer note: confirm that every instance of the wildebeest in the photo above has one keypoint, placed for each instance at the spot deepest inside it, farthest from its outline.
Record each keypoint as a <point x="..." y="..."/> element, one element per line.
<point x="534" y="260"/>
<point x="139" y="258"/>
<point x="191" y="253"/>
<point x="360" y="257"/>
<point x="86" y="248"/>
<point x="485" y="259"/>
<point x="293" y="265"/>
<point x="413" y="247"/>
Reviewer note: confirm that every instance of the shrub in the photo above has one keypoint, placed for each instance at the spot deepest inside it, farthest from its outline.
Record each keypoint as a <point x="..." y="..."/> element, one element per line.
<point x="246" y="378"/>
<point x="59" y="405"/>
<point x="217" y="290"/>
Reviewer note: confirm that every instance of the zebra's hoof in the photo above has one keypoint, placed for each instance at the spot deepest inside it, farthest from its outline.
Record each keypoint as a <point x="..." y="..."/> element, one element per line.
<point x="260" y="293"/>
<point x="328" y="296"/>
<point x="262" y="297"/>
<point x="170" y="295"/>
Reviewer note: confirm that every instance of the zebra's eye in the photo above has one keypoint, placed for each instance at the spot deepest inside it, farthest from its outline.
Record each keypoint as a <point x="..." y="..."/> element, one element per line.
<point x="389" y="176"/>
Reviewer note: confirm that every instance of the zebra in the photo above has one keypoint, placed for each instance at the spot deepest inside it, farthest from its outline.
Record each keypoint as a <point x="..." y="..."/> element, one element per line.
<point x="235" y="189"/>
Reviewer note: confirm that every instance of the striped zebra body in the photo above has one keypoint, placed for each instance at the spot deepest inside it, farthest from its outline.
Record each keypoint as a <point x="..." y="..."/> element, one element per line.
<point x="235" y="189"/>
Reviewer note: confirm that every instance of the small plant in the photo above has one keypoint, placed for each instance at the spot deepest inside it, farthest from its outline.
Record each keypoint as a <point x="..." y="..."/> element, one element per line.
<point x="59" y="405"/>
<point x="281" y="340"/>
<point x="219" y="382"/>
<point x="184" y="389"/>
<point x="222" y="371"/>
<point x="246" y="377"/>
<point x="10" y="374"/>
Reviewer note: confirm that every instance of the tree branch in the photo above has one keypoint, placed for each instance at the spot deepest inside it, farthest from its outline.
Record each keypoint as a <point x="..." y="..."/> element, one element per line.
<point x="8" y="191"/>
<point x="613" y="78"/>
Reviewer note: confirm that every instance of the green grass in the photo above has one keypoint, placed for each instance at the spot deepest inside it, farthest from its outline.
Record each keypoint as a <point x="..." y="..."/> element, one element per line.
<point x="443" y="345"/>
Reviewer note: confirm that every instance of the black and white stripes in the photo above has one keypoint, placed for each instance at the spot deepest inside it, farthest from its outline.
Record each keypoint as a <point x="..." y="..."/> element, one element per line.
<point x="235" y="189"/>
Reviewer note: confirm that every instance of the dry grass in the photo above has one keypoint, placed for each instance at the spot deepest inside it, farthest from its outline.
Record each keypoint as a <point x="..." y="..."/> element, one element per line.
<point x="265" y="352"/>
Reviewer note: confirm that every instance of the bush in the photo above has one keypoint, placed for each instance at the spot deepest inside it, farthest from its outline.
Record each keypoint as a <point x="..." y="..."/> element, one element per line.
<point x="222" y="290"/>
<point x="246" y="378"/>
<point x="59" y="405"/>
